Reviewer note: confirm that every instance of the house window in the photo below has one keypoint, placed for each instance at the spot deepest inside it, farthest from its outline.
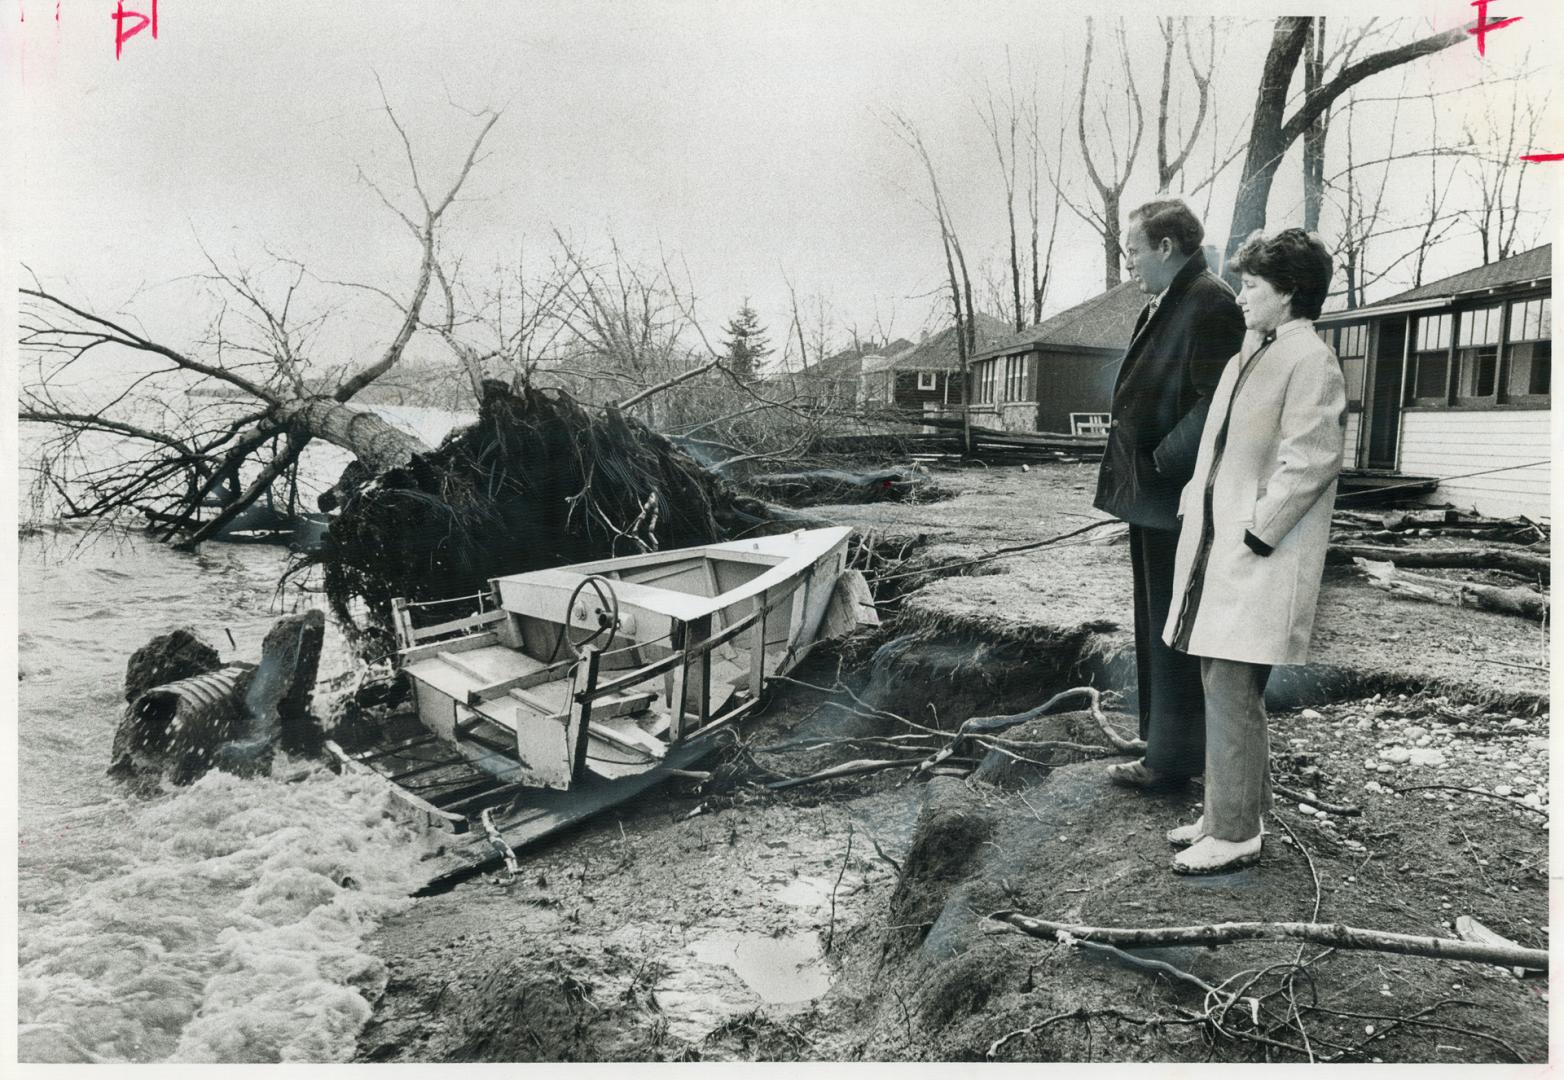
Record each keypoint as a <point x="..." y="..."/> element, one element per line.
<point x="1431" y="360"/>
<point x="928" y="380"/>
<point x="1015" y="378"/>
<point x="1351" y="348"/>
<point x="983" y="382"/>
<point x="1477" y="354"/>
<point x="1529" y="355"/>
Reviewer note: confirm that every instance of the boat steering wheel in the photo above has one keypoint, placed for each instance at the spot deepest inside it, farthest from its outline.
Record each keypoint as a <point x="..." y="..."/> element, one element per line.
<point x="608" y="620"/>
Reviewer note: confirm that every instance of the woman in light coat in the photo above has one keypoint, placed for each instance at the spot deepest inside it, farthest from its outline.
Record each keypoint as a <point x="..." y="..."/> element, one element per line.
<point x="1256" y="523"/>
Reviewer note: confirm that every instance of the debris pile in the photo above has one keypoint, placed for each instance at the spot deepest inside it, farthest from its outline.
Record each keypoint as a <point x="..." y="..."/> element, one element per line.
<point x="211" y="715"/>
<point x="538" y="481"/>
<point x="1465" y="560"/>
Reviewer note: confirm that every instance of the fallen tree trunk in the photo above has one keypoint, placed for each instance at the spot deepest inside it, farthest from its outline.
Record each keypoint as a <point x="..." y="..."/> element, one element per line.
<point x="832" y="486"/>
<point x="1474" y="558"/>
<point x="1525" y="603"/>
<point x="375" y="443"/>
<point x="1335" y="935"/>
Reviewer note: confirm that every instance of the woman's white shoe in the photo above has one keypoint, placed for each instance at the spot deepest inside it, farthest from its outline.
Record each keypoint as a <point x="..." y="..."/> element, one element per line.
<point x="1185" y="835"/>
<point x="1208" y="855"/>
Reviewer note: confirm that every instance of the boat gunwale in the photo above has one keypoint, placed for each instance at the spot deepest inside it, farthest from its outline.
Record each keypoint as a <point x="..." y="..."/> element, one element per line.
<point x="689" y="605"/>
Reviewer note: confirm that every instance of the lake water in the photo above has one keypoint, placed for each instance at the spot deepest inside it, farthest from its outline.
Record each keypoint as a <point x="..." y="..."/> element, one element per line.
<point x="224" y="921"/>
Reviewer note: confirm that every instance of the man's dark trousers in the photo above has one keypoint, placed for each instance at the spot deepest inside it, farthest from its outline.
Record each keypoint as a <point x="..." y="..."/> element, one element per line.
<point x="1172" y="703"/>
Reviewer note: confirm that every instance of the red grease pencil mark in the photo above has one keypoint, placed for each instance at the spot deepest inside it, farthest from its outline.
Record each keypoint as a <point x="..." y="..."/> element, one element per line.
<point x="1542" y="157"/>
<point x="122" y="35"/>
<point x="1484" y="27"/>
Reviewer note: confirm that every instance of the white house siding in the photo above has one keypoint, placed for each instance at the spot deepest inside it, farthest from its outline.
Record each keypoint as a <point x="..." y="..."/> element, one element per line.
<point x="1440" y="442"/>
<point x="1350" y="458"/>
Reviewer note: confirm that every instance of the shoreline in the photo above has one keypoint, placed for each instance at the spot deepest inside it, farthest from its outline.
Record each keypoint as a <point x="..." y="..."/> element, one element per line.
<point x="636" y="937"/>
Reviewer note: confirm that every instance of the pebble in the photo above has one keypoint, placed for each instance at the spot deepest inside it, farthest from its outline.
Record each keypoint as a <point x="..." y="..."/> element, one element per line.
<point x="1533" y="800"/>
<point x="1305" y="808"/>
<point x="1416" y="732"/>
<point x="1503" y="789"/>
<point x="1430" y="756"/>
<point x="1310" y="714"/>
<point x="1396" y="755"/>
<point x="1517" y="724"/>
<point x="1365" y="724"/>
<point x="1374" y="786"/>
<point x="1385" y="766"/>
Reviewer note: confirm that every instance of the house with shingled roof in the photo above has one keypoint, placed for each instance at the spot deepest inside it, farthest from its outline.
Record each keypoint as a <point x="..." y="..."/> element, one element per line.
<point x="925" y="377"/>
<point x="1058" y="376"/>
<point x="1453" y="380"/>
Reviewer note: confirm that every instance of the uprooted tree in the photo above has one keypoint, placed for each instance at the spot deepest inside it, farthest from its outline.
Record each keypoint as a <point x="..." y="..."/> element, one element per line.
<point x="540" y="480"/>
<point x="254" y="351"/>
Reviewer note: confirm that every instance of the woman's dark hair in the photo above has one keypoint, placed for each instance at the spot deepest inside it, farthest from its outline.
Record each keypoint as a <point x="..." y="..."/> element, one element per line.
<point x="1164" y="219"/>
<point x="1292" y="261"/>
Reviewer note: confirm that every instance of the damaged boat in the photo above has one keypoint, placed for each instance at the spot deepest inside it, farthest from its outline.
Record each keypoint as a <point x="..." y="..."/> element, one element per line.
<point x="572" y="689"/>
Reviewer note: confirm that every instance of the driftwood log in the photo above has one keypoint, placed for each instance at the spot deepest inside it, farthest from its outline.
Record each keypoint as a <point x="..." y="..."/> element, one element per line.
<point x="1335" y="935"/>
<point x="1525" y="563"/>
<point x="1523" y="602"/>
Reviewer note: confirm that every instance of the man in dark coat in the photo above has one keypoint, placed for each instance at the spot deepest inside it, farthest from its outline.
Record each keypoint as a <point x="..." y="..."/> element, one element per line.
<point x="1182" y="340"/>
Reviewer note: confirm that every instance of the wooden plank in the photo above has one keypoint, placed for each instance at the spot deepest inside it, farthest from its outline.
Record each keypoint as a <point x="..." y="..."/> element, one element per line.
<point x="757" y="649"/>
<point x="436" y="816"/>
<point x="581" y="710"/>
<point x="428" y="766"/>
<point x="524" y="681"/>
<point x="405" y="744"/>
<point x="630" y="738"/>
<point x="642" y="674"/>
<point x="484" y="799"/>
<point x="401" y="624"/>
<point x="727" y="718"/>
<point x="677" y="679"/>
<point x="451" y="626"/>
<point x="455" y="645"/>
<point x="733" y="630"/>
<point x="540" y="704"/>
<point x="465" y="668"/>
<point x="697" y="678"/>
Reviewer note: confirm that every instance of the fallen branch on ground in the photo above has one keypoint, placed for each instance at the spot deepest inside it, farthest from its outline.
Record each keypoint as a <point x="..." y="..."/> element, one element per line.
<point x="1518" y="562"/>
<point x="1526" y="603"/>
<point x="1086" y="1015"/>
<point x="1475" y="791"/>
<point x="1333" y="934"/>
<point x="847" y="768"/>
<point x="1319" y="804"/>
<point x="988" y="725"/>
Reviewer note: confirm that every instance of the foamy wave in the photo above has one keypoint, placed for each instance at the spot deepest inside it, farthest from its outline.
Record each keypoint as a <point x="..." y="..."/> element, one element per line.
<point x="224" y="922"/>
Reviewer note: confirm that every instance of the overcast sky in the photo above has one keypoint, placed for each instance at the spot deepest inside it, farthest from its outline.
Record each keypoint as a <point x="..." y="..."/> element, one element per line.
<point x="744" y="139"/>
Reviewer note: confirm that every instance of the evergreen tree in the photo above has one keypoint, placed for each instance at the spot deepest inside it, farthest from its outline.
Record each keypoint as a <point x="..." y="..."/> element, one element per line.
<point x="747" y="342"/>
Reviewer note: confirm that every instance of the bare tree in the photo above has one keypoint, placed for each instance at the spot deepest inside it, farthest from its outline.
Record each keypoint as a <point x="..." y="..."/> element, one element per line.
<point x="1112" y="176"/>
<point x="1003" y="134"/>
<point x="1042" y="264"/>
<point x="962" y="310"/>
<point x="1272" y="131"/>
<point x="255" y="351"/>
<point x="1168" y="167"/>
<point x="1499" y="139"/>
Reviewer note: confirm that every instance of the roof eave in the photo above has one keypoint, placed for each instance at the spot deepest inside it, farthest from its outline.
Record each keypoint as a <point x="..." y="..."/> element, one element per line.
<point x="1375" y="310"/>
